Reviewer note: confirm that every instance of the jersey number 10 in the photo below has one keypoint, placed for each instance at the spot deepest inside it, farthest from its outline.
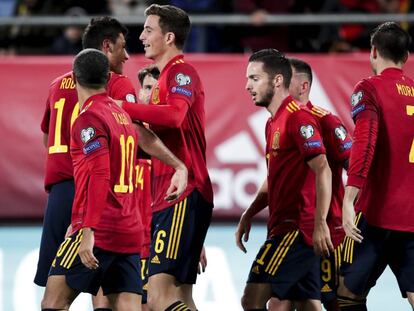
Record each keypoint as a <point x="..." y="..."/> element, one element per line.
<point x="127" y="164"/>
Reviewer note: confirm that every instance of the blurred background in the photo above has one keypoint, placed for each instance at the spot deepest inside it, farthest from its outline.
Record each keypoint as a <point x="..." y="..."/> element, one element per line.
<point x="38" y="39"/>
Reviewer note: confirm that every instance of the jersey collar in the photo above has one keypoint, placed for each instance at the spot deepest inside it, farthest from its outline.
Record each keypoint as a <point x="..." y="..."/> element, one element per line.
<point x="283" y="106"/>
<point x="391" y="71"/>
<point x="173" y="61"/>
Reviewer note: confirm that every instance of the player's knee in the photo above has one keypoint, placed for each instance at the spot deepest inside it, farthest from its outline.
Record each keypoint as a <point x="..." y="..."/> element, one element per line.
<point x="248" y="303"/>
<point x="343" y="291"/>
<point x="51" y="303"/>
<point x="154" y="301"/>
<point x="410" y="297"/>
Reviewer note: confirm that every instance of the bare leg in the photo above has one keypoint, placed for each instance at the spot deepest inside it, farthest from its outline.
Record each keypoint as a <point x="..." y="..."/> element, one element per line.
<point x="186" y="293"/>
<point x="309" y="305"/>
<point x="256" y="296"/>
<point x="58" y="295"/>
<point x="125" y="301"/>
<point x="162" y="291"/>
<point x="100" y="301"/>
<point x="279" y="305"/>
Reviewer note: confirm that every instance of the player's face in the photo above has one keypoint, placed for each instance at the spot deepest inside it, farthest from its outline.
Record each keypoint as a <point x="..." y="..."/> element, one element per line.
<point x="259" y="84"/>
<point x="145" y="91"/>
<point x="117" y="55"/>
<point x="152" y="38"/>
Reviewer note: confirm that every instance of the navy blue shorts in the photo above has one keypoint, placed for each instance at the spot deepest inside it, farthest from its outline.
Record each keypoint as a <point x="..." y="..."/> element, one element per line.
<point x="55" y="222"/>
<point x="290" y="266"/>
<point x="178" y="235"/>
<point x="363" y="263"/>
<point x="117" y="272"/>
<point x="144" y="278"/>
<point x="330" y="275"/>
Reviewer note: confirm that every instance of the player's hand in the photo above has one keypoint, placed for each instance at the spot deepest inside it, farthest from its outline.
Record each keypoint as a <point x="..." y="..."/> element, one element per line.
<point x="348" y="221"/>
<point x="203" y="261"/>
<point x="243" y="230"/>
<point x="322" y="243"/>
<point x="86" y="249"/>
<point x="178" y="184"/>
<point x="68" y="231"/>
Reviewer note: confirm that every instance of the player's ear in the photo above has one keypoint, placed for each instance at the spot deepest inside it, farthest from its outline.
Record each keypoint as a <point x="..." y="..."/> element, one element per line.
<point x="278" y="80"/>
<point x="374" y="52"/>
<point x="305" y="86"/>
<point x="406" y="57"/>
<point x="170" y="37"/>
<point x="106" y="46"/>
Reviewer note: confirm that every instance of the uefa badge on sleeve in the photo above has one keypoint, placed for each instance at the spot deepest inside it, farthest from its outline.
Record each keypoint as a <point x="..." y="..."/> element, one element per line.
<point x="182" y="79"/>
<point x="307" y="131"/>
<point x="356" y="98"/>
<point x="87" y="134"/>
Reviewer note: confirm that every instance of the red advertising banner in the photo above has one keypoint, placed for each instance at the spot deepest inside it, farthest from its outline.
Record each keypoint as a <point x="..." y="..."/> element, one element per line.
<point x="235" y="127"/>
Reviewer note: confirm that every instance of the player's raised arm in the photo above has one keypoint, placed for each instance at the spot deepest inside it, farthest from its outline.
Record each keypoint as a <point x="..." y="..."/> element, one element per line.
<point x="168" y="115"/>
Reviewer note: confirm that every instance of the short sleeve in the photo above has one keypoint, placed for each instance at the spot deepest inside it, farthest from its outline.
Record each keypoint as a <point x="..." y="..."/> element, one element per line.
<point x="90" y="135"/>
<point x="363" y="99"/>
<point x="305" y="131"/>
<point x="44" y="126"/>
<point x="337" y="140"/>
<point x="182" y="83"/>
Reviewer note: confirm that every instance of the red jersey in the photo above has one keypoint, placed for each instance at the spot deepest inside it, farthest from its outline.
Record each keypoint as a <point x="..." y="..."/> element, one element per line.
<point x="178" y="82"/>
<point x="62" y="108"/>
<point x="143" y="192"/>
<point x="120" y="87"/>
<point x="292" y="138"/>
<point x="382" y="157"/>
<point x="103" y="149"/>
<point x="338" y="144"/>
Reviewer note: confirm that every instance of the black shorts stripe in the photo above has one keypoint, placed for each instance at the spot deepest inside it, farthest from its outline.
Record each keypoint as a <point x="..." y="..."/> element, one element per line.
<point x="180" y="307"/>
<point x="72" y="251"/>
<point x="184" y="207"/>
<point x="338" y="256"/>
<point x="280" y="252"/>
<point x="176" y="229"/>
<point x="349" y="244"/>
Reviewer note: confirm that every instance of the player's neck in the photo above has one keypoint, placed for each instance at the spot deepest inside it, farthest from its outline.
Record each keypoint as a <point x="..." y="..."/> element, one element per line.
<point x="382" y="64"/>
<point x="163" y="59"/>
<point x="385" y="64"/>
<point x="277" y="101"/>
<point x="85" y="93"/>
<point x="303" y="99"/>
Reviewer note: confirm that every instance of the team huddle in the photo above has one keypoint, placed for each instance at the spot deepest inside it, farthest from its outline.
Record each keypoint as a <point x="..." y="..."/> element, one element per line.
<point x="130" y="198"/>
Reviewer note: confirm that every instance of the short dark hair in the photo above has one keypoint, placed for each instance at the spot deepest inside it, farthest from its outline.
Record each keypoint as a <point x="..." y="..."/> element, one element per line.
<point x="101" y="28"/>
<point x="274" y="62"/>
<point x="150" y="70"/>
<point x="302" y="67"/>
<point x="391" y="41"/>
<point x="91" y="68"/>
<point x="172" y="19"/>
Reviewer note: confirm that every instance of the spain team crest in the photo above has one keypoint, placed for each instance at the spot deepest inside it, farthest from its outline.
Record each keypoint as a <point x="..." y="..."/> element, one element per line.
<point x="275" y="143"/>
<point x="155" y="96"/>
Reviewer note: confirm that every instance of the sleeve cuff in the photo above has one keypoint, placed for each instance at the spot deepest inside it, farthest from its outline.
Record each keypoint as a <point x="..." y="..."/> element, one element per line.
<point x="356" y="181"/>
